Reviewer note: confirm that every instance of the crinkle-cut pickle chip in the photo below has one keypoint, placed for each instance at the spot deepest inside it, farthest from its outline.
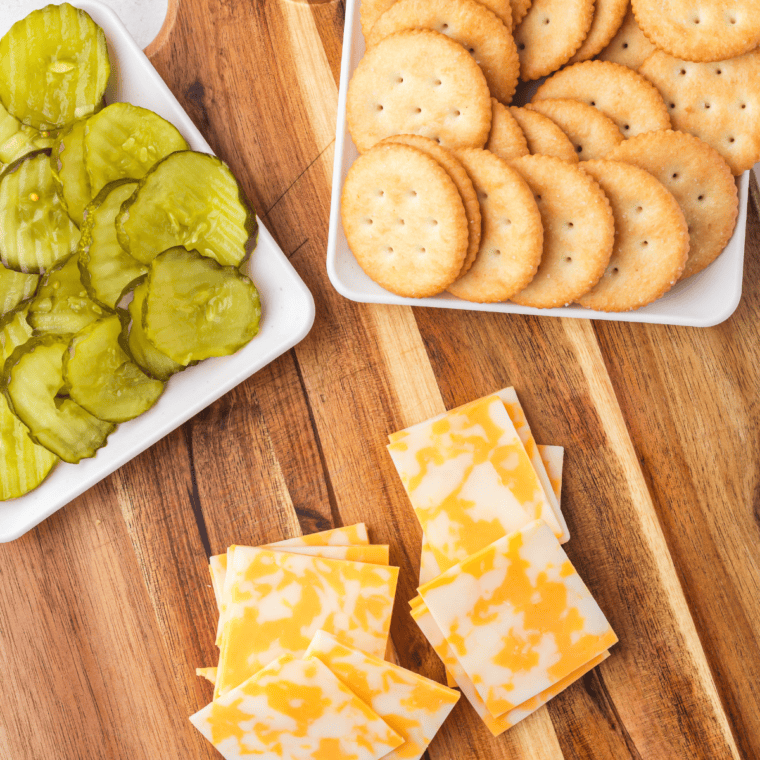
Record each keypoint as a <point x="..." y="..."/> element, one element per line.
<point x="143" y="352"/>
<point x="189" y="199"/>
<point x="102" y="378"/>
<point x="62" y="305"/>
<point x="54" y="67"/>
<point x="196" y="309"/>
<point x="23" y="464"/>
<point x="15" y="287"/>
<point x="126" y="141"/>
<point x="35" y="230"/>
<point x="17" y="140"/>
<point x="69" y="173"/>
<point x="34" y="386"/>
<point x="107" y="269"/>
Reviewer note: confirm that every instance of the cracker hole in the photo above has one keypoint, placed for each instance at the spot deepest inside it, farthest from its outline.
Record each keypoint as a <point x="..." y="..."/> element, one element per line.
<point x="732" y="139"/>
<point x="444" y="26"/>
<point x="389" y="250"/>
<point x="507" y="222"/>
<point x="732" y="20"/>
<point x="743" y="106"/>
<point x="675" y="175"/>
<point x="418" y="110"/>
<point x="538" y="197"/>
<point x="401" y="221"/>
<point x="627" y="126"/>
<point x="672" y="105"/>
<point x="381" y="193"/>
<point x="701" y="198"/>
<point x="413" y="193"/>
<point x="615" y="270"/>
<point x="644" y="243"/>
<point x="546" y="21"/>
<point x="570" y="225"/>
<point x="422" y="250"/>
<point x="497" y="252"/>
<point x="578" y="148"/>
<point x="370" y="221"/>
<point x="696" y="20"/>
<point x="457" y="113"/>
<point x="683" y="72"/>
<point x="483" y="196"/>
<point x="718" y="71"/>
<point x="625" y="46"/>
<point x="593" y="103"/>
<point x="400" y="80"/>
<point x="639" y="209"/>
<point x="472" y="50"/>
<point x="568" y="259"/>
<point x="707" y="105"/>
<point x="434" y="222"/>
<point x="521" y="46"/>
<point x="438" y="83"/>
<point x="438" y="140"/>
<point x="379" y="107"/>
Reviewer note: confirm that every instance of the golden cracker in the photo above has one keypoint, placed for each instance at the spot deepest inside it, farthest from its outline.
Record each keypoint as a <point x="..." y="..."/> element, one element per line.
<point x="422" y="83"/>
<point x="651" y="238"/>
<point x="550" y="34"/>
<point x="461" y="179"/>
<point x="579" y="231"/>
<point x="608" y="17"/>
<point x="519" y="9"/>
<point x="630" y="46"/>
<point x="467" y="22"/>
<point x="708" y="30"/>
<point x="701" y="182"/>
<point x="592" y="134"/>
<point x="717" y="102"/>
<point x="632" y="102"/>
<point x="507" y="139"/>
<point x="404" y="220"/>
<point x="544" y="137"/>
<point x="511" y="240"/>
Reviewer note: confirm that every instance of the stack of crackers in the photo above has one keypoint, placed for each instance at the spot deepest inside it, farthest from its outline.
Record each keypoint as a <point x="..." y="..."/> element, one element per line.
<point x="613" y="183"/>
<point x="303" y="633"/>
<point x="499" y="601"/>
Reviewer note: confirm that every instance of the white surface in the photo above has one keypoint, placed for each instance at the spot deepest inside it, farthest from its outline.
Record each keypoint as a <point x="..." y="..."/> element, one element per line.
<point x="705" y="299"/>
<point x="143" y="18"/>
<point x="288" y="308"/>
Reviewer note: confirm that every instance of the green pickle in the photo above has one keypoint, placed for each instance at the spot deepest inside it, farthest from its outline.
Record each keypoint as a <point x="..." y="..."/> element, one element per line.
<point x="196" y="309"/>
<point x="17" y="140"/>
<point x="144" y="353"/>
<point x="125" y="141"/>
<point x="34" y="387"/>
<point x="54" y="67"/>
<point x="69" y="174"/>
<point x="15" y="287"/>
<point x="102" y="378"/>
<point x="107" y="269"/>
<point x="62" y="305"/>
<point x="189" y="199"/>
<point x="36" y="230"/>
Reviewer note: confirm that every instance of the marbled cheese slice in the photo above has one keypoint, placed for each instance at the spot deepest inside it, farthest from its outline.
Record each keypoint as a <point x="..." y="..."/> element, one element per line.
<point x="518" y="617"/>
<point x="295" y="710"/>
<point x="277" y="601"/>
<point x="412" y="705"/>
<point x="510" y="718"/>
<point x="347" y="535"/>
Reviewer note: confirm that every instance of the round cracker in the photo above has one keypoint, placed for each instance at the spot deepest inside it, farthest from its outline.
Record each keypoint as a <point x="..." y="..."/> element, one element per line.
<point x="701" y="182"/>
<point x="512" y="238"/>
<point x="519" y="9"/>
<point x="633" y="103"/>
<point x="461" y="179"/>
<point x="467" y="22"/>
<point x="404" y="220"/>
<point x="592" y="134"/>
<point x="651" y="238"/>
<point x="608" y="17"/>
<point x="544" y="137"/>
<point x="371" y="10"/>
<point x="579" y="231"/>
<point x="550" y="33"/>
<point x="708" y="30"/>
<point x="717" y="102"/>
<point x="422" y="83"/>
<point x="507" y="139"/>
<point x="630" y="46"/>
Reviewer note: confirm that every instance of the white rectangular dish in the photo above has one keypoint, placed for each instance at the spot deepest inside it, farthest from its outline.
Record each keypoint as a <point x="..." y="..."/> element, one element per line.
<point x="288" y="307"/>
<point x="703" y="300"/>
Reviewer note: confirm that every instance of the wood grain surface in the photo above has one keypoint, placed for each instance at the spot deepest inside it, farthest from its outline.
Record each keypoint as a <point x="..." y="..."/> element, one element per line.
<point x="106" y="608"/>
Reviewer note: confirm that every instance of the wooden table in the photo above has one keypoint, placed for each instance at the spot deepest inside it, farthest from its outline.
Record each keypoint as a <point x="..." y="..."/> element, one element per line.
<point x="106" y="608"/>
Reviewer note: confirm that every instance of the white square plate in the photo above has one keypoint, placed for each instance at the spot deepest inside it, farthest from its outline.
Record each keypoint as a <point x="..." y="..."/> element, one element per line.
<point x="288" y="307"/>
<point x="703" y="300"/>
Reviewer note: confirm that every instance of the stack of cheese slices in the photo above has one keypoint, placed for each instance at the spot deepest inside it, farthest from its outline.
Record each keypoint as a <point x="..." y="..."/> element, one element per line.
<point x="499" y="600"/>
<point x="303" y="631"/>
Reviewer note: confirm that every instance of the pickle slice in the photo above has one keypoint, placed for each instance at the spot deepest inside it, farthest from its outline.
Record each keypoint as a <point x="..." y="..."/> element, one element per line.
<point x="126" y="141"/>
<point x="23" y="464"/>
<point x="107" y="269"/>
<point x="35" y="230"/>
<point x="16" y="139"/>
<point x="33" y="384"/>
<point x="62" y="305"/>
<point x="144" y="353"/>
<point x="15" y="287"/>
<point x="53" y="67"/>
<point x="189" y="199"/>
<point x="196" y="309"/>
<point x="69" y="173"/>
<point x="102" y="378"/>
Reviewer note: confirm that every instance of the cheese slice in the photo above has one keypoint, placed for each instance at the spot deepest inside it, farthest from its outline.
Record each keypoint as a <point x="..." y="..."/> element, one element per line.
<point x="469" y="479"/>
<point x="208" y="673"/>
<point x="277" y="601"/>
<point x="347" y="535"/>
<point x="413" y="706"/>
<point x="518" y="617"/>
<point x="295" y="710"/>
<point x="498" y="725"/>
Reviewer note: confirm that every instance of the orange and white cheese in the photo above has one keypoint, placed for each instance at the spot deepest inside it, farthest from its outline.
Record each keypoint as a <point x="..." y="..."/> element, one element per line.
<point x="346" y="535"/>
<point x="295" y="710"/>
<point x="518" y="617"/>
<point x="412" y="705"/>
<point x="276" y="602"/>
<point x="469" y="479"/>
